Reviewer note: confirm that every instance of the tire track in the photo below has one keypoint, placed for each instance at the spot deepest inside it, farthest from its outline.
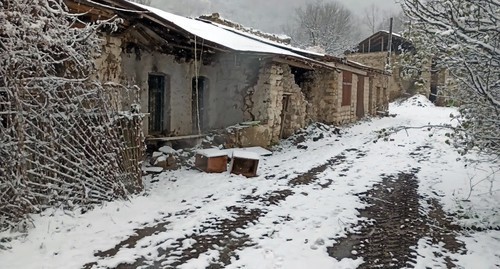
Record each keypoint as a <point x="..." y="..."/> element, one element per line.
<point x="225" y="235"/>
<point x="394" y="225"/>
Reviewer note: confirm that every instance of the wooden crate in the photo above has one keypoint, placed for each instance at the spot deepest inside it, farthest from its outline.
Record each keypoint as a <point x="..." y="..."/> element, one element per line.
<point x="245" y="163"/>
<point x="211" y="161"/>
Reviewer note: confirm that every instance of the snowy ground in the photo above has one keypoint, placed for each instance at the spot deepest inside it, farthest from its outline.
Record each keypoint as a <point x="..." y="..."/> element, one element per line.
<point x="307" y="200"/>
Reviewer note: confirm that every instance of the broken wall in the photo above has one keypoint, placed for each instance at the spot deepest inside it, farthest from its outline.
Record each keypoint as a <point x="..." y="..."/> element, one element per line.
<point x="239" y="88"/>
<point x="109" y="69"/>
<point x="321" y="90"/>
<point x="230" y="76"/>
<point x="265" y="102"/>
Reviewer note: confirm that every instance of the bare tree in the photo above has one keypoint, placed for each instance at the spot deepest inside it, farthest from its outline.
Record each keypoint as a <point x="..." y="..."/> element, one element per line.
<point x="372" y="18"/>
<point x="376" y="19"/>
<point x="326" y="25"/>
<point x="463" y="36"/>
<point x="399" y="22"/>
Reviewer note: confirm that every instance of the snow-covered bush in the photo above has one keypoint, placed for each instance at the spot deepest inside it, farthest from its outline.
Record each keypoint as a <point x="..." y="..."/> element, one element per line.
<point x="62" y="141"/>
<point x="463" y="37"/>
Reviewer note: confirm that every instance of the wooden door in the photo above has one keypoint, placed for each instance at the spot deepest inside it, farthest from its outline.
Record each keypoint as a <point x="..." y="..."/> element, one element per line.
<point x="157" y="103"/>
<point x="199" y="104"/>
<point x="360" y="104"/>
<point x="284" y="114"/>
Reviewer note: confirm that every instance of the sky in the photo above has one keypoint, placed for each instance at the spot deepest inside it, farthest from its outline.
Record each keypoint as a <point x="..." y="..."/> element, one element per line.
<point x="266" y="15"/>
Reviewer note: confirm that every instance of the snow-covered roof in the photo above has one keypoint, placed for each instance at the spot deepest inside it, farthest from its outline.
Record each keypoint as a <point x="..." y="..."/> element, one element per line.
<point x="246" y="154"/>
<point x="222" y="35"/>
<point x="219" y="35"/>
<point x="394" y="34"/>
<point x="384" y="32"/>
<point x="217" y="18"/>
<point x="267" y="41"/>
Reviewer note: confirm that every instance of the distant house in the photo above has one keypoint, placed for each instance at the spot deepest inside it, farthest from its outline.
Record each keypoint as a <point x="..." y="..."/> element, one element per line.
<point x="196" y="75"/>
<point x="379" y="42"/>
<point x="378" y="52"/>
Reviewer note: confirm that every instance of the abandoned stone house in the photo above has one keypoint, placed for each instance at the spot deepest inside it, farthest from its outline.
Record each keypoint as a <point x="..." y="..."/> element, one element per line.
<point x="376" y="51"/>
<point x="197" y="75"/>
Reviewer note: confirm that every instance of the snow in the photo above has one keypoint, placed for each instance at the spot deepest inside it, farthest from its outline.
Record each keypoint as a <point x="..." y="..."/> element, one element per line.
<point x="160" y="159"/>
<point x="167" y="150"/>
<point x="245" y="154"/>
<point x="294" y="233"/>
<point x="219" y="35"/>
<point x="394" y="34"/>
<point x="152" y="169"/>
<point x="213" y="152"/>
<point x="270" y="42"/>
<point x="157" y="154"/>
<point x="258" y="150"/>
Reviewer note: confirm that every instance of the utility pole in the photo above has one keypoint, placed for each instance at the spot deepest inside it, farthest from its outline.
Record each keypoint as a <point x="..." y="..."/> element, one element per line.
<point x="389" y="46"/>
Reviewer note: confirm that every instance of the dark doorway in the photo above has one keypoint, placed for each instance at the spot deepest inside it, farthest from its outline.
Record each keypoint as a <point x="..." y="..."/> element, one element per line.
<point x="199" y="104"/>
<point x="434" y="82"/>
<point x="434" y="85"/>
<point x="378" y="101"/>
<point x="157" y="103"/>
<point x="370" y="96"/>
<point x="360" y="104"/>
<point x="284" y="114"/>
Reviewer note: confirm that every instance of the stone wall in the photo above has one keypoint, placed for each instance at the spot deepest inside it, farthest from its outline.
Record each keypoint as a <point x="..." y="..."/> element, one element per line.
<point x="264" y="102"/>
<point x="321" y="90"/>
<point x="109" y="69"/>
<point x="397" y="85"/>
<point x="379" y="94"/>
<point x="424" y="87"/>
<point x="241" y="88"/>
<point x="294" y="115"/>
<point x="366" y="97"/>
<point x="109" y="64"/>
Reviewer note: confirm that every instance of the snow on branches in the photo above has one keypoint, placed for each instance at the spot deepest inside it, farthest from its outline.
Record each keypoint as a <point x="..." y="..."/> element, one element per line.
<point x="463" y="36"/>
<point x="63" y="141"/>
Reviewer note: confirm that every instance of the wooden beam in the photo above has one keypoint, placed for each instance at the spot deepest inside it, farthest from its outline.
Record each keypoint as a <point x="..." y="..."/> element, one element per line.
<point x="344" y="67"/>
<point x="173" y="138"/>
<point x="85" y="9"/>
<point x="292" y="63"/>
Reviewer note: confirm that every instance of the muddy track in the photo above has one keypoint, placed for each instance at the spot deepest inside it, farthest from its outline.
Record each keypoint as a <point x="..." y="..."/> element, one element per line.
<point x="394" y="225"/>
<point x="223" y="235"/>
<point x="312" y="175"/>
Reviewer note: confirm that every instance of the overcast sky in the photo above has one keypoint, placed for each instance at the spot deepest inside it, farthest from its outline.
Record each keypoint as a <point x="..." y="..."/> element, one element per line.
<point x="266" y="15"/>
<point x="362" y="4"/>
